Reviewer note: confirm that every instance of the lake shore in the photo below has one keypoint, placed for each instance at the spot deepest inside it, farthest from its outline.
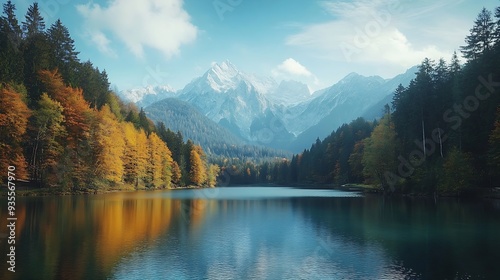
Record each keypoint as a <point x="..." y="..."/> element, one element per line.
<point x="24" y="190"/>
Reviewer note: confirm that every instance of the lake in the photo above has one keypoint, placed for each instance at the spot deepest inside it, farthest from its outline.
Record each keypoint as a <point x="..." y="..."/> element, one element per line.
<point x="252" y="233"/>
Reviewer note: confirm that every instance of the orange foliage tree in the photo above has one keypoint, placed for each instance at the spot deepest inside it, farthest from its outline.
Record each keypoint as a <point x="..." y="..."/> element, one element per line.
<point x="14" y="114"/>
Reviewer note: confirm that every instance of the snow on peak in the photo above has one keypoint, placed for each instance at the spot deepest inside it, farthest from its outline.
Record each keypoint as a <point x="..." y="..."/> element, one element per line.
<point x="222" y="77"/>
<point x="137" y="95"/>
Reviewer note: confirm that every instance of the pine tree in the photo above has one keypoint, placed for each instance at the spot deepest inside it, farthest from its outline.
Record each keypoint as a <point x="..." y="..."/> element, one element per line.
<point x="494" y="145"/>
<point x="34" y="23"/>
<point x="11" y="59"/>
<point x="64" y="56"/>
<point x="36" y="51"/>
<point x="481" y="36"/>
<point x="11" y="26"/>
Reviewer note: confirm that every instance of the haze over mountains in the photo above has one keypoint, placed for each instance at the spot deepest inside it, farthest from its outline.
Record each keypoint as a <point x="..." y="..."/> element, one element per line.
<point x="244" y="108"/>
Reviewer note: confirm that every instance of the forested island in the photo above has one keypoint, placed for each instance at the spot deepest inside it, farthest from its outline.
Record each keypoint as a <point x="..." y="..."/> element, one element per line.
<point x="63" y="128"/>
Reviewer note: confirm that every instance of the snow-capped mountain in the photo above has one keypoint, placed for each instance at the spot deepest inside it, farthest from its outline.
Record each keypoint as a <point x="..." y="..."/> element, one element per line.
<point x="145" y="96"/>
<point x="352" y="97"/>
<point x="289" y="93"/>
<point x="285" y="115"/>
<point x="230" y="97"/>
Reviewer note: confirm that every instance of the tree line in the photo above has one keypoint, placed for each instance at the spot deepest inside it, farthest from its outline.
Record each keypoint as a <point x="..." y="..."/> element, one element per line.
<point x="441" y="134"/>
<point x="61" y="125"/>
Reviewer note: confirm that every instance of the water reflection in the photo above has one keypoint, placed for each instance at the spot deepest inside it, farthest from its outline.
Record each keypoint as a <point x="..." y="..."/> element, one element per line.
<point x="252" y="233"/>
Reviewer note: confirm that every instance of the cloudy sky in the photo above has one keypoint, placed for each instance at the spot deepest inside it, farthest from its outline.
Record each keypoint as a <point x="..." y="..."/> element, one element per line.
<point x="159" y="42"/>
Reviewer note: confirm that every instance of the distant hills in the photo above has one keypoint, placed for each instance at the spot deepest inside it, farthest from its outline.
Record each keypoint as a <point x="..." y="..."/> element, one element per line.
<point x="229" y="106"/>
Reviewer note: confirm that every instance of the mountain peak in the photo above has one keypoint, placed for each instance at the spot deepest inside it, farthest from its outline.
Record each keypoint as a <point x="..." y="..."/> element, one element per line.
<point x="225" y="68"/>
<point x="353" y="76"/>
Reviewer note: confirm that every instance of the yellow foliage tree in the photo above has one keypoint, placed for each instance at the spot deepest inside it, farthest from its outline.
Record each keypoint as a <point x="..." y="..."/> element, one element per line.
<point x="176" y="173"/>
<point x="159" y="167"/>
<point x="197" y="171"/>
<point x="130" y="164"/>
<point x="142" y="155"/>
<point x="75" y="168"/>
<point x="213" y="172"/>
<point x="110" y="146"/>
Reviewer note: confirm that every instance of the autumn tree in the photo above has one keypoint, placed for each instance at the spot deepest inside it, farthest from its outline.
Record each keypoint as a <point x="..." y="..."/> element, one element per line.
<point x="78" y="158"/>
<point x="14" y="114"/>
<point x="110" y="146"/>
<point x="213" y="173"/>
<point x="130" y="161"/>
<point x="458" y="172"/>
<point x="142" y="156"/>
<point x="159" y="168"/>
<point x="197" y="171"/>
<point x="47" y="130"/>
<point x="176" y="173"/>
<point x="379" y="158"/>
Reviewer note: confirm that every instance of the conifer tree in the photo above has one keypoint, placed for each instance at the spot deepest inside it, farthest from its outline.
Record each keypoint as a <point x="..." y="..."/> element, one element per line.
<point x="481" y="37"/>
<point x="64" y="56"/>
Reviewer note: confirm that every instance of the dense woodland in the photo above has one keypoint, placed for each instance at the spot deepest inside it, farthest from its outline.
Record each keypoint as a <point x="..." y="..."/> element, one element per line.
<point x="62" y="127"/>
<point x="441" y="134"/>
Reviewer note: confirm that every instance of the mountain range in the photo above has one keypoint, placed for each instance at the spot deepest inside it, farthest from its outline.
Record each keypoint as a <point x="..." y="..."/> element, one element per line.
<point x="243" y="108"/>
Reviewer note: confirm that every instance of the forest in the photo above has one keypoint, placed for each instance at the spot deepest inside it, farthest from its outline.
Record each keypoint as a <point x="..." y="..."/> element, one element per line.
<point x="440" y="135"/>
<point x="62" y="127"/>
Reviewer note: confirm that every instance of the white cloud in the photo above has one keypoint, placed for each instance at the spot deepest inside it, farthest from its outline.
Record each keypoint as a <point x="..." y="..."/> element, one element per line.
<point x="102" y="42"/>
<point x="162" y="25"/>
<point x="365" y="31"/>
<point x="291" y="67"/>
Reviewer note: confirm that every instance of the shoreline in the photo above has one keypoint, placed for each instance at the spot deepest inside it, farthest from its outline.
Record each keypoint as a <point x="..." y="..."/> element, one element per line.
<point x="55" y="191"/>
<point x="482" y="193"/>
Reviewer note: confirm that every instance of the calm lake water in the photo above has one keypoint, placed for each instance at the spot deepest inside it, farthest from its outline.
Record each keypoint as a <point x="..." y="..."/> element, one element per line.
<point x="252" y="233"/>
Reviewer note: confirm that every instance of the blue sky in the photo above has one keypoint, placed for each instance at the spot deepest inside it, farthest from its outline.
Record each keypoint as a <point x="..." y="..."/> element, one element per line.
<point x="170" y="42"/>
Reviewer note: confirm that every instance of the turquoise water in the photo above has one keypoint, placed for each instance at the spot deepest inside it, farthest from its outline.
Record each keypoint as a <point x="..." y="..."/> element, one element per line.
<point x="253" y="233"/>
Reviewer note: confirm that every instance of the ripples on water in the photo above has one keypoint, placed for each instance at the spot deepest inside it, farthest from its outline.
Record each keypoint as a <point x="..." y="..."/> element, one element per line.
<point x="255" y="233"/>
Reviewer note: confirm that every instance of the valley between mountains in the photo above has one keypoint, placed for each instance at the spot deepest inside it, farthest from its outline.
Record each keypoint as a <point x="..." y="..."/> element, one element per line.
<point x="228" y="107"/>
